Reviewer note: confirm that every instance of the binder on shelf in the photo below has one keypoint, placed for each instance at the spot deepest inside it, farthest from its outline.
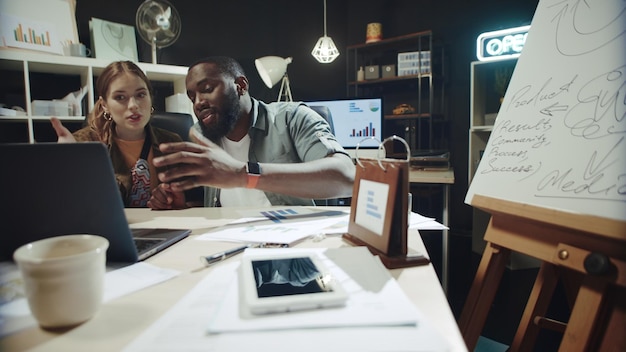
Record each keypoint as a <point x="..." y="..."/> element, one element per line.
<point x="431" y="159"/>
<point x="428" y="159"/>
<point x="379" y="209"/>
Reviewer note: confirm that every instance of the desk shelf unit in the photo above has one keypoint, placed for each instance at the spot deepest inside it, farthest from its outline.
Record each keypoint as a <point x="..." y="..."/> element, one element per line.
<point x="424" y="90"/>
<point x="484" y="105"/>
<point x="37" y="76"/>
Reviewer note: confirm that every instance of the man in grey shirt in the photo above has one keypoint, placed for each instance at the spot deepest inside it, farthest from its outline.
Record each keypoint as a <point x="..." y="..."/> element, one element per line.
<point x="247" y="152"/>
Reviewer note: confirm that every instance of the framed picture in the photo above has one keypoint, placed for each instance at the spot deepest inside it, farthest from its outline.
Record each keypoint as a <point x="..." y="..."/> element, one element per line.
<point x="379" y="210"/>
<point x="112" y="41"/>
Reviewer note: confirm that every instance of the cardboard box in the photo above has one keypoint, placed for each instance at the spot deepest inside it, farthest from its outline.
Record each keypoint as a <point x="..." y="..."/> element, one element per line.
<point x="409" y="56"/>
<point x="389" y="71"/>
<point x="11" y="112"/>
<point x="413" y="63"/>
<point x="372" y="72"/>
<point x="408" y="71"/>
<point x="51" y="108"/>
<point x="179" y="103"/>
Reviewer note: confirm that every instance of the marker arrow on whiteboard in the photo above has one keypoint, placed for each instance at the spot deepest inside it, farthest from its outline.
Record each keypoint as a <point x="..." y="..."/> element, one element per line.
<point x="583" y="27"/>
<point x="554" y="107"/>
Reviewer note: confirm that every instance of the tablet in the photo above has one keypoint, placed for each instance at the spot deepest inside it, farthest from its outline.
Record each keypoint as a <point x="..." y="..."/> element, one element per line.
<point x="287" y="282"/>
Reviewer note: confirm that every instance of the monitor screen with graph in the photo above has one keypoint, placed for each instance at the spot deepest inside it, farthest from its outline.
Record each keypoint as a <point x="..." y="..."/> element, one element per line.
<point x="355" y="119"/>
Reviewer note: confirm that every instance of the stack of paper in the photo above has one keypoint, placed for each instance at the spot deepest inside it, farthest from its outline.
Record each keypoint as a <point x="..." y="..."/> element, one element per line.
<point x="375" y="299"/>
<point x="378" y="316"/>
<point x="296" y="225"/>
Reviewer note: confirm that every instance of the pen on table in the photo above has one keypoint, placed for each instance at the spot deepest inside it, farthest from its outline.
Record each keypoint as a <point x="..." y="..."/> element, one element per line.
<point x="218" y="257"/>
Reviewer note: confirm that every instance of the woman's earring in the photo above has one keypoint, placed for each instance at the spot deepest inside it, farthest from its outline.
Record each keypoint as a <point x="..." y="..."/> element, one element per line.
<point x="152" y="110"/>
<point x="107" y="116"/>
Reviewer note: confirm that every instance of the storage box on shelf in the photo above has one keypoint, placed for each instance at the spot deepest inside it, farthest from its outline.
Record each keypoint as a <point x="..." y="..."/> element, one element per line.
<point x="413" y="63"/>
<point x="33" y="75"/>
<point x="488" y="83"/>
<point x="412" y="74"/>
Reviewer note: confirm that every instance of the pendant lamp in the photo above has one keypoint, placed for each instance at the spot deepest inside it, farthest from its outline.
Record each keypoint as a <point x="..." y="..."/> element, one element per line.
<point x="325" y="50"/>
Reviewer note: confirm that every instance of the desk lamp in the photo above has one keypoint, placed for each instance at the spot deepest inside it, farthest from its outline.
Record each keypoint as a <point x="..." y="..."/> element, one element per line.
<point x="273" y="69"/>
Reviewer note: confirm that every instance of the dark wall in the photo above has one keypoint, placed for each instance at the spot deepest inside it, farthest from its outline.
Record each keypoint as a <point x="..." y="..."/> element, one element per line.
<point x="248" y="29"/>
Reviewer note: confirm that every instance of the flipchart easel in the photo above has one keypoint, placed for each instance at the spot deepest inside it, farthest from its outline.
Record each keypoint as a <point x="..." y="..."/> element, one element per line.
<point x="589" y="251"/>
<point x="379" y="209"/>
<point x="552" y="176"/>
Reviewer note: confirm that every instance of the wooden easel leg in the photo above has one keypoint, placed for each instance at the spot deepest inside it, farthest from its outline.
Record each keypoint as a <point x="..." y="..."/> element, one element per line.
<point x="613" y="338"/>
<point x="585" y="315"/>
<point x="571" y="281"/>
<point x="482" y="293"/>
<point x="537" y="305"/>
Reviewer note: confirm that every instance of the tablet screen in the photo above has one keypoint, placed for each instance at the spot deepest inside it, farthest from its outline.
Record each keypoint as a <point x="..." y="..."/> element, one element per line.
<point x="288" y="276"/>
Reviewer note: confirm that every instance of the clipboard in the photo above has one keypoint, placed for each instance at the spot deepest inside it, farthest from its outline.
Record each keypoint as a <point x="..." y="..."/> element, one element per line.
<point x="379" y="210"/>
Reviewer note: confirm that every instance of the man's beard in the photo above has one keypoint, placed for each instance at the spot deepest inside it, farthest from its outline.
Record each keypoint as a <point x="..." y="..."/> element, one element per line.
<point x="228" y="117"/>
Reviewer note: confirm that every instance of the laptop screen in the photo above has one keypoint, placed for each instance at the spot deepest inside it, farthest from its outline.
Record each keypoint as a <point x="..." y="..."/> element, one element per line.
<point x="355" y="120"/>
<point x="57" y="189"/>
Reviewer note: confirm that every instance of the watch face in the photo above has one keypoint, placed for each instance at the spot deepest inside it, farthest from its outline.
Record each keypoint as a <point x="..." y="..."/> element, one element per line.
<point x="254" y="168"/>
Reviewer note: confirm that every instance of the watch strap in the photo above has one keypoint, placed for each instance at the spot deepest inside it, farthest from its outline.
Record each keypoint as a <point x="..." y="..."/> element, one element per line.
<point x="254" y="173"/>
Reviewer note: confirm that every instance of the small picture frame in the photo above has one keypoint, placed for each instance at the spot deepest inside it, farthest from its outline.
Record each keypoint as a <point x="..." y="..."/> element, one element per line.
<point x="113" y="41"/>
<point x="379" y="212"/>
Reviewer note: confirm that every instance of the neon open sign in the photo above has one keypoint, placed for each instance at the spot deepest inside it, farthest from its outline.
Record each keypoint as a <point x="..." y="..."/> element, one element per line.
<point x="502" y="44"/>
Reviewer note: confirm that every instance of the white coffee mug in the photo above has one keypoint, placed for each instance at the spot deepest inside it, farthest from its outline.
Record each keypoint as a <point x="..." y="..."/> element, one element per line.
<point x="79" y="49"/>
<point x="63" y="278"/>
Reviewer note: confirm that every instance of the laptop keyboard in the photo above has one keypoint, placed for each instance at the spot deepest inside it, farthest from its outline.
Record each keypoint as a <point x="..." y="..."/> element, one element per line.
<point x="145" y="243"/>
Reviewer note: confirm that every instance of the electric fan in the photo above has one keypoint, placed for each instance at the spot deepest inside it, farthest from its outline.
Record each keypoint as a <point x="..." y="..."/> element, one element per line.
<point x="158" y="23"/>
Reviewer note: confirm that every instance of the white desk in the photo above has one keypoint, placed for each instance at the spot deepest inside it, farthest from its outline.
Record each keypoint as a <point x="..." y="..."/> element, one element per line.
<point x="121" y="320"/>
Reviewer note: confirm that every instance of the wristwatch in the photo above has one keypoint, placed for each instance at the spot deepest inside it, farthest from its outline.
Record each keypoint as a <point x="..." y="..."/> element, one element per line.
<point x="254" y="173"/>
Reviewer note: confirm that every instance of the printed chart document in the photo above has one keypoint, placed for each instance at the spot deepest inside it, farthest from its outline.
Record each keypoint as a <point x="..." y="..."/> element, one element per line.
<point x="192" y="323"/>
<point x="278" y="233"/>
<point x="278" y="226"/>
<point x="289" y="228"/>
<point x="374" y="300"/>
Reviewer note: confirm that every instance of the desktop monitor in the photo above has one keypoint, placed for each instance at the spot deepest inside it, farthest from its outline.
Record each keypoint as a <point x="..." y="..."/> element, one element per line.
<point x="355" y="120"/>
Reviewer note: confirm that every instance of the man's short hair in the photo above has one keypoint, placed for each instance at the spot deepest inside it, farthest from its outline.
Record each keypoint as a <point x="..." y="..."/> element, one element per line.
<point x="224" y="64"/>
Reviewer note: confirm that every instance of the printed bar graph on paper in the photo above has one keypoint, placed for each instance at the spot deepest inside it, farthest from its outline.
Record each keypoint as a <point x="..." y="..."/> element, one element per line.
<point x="368" y="131"/>
<point x="31" y="36"/>
<point x="280" y="214"/>
<point x="18" y="33"/>
<point x="26" y="33"/>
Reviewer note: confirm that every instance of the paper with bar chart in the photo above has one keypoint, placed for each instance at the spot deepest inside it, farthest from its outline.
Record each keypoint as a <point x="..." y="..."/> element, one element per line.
<point x="30" y="34"/>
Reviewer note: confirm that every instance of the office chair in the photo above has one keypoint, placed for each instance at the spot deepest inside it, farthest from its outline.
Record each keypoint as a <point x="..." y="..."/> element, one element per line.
<point x="324" y="111"/>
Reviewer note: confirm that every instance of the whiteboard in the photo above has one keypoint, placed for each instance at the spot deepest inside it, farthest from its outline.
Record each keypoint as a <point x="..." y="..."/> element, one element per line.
<point x="559" y="140"/>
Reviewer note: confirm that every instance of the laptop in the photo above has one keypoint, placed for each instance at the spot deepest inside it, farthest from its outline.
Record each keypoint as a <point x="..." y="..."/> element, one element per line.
<point x="52" y="189"/>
